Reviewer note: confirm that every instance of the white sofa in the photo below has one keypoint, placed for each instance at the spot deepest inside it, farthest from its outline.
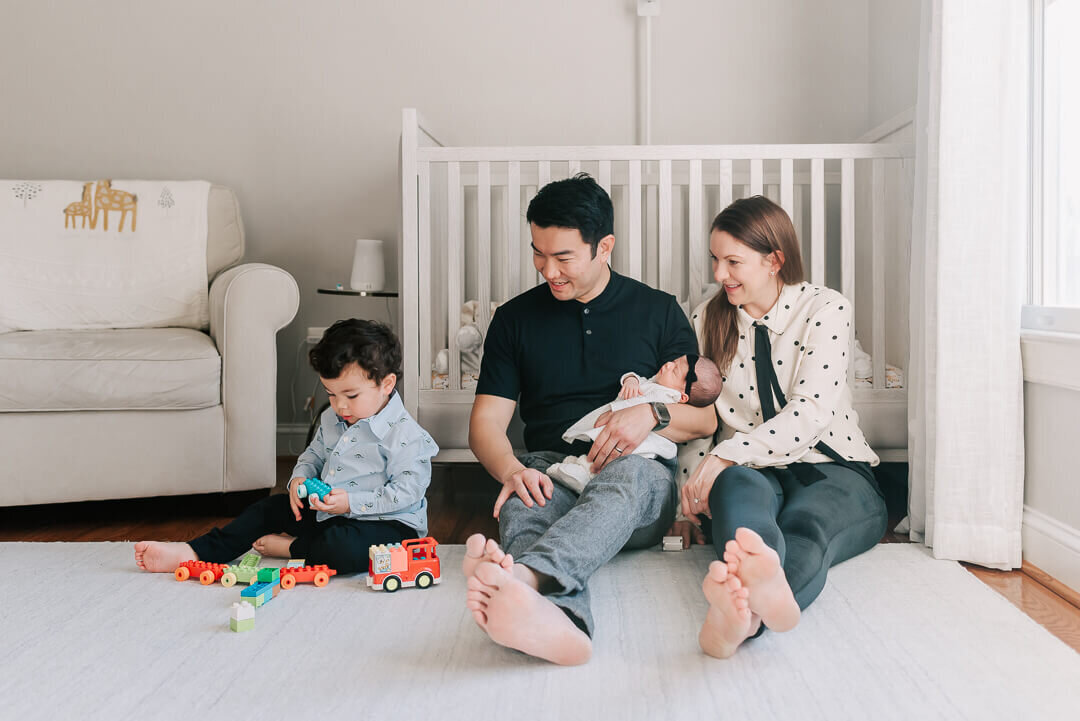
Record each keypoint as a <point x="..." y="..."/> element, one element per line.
<point x="101" y="414"/>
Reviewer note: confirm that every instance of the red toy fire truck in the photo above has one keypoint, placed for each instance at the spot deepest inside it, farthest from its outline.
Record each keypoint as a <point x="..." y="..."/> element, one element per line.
<point x="412" y="563"/>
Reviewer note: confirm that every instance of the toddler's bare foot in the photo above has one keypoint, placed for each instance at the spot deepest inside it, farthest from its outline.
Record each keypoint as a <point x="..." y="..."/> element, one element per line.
<point x="516" y="616"/>
<point x="161" y="557"/>
<point x="729" y="621"/>
<point x="274" y="544"/>
<point x="758" y="567"/>
<point x="481" y="550"/>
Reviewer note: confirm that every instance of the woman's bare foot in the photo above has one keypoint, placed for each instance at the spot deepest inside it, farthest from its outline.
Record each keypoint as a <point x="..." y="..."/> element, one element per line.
<point x="729" y="621"/>
<point x="480" y="550"/>
<point x="516" y="616"/>
<point x="161" y="557"/>
<point x="274" y="544"/>
<point x="758" y="568"/>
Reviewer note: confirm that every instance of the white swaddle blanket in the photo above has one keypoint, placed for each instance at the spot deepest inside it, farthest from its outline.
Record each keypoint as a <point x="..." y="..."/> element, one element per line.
<point x="574" y="472"/>
<point x="60" y="268"/>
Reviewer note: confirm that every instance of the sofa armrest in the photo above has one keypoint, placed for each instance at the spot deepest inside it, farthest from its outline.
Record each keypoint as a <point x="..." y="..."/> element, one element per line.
<point x="249" y="304"/>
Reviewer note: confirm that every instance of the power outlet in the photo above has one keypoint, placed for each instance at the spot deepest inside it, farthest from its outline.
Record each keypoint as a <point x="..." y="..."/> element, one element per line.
<point x="315" y="334"/>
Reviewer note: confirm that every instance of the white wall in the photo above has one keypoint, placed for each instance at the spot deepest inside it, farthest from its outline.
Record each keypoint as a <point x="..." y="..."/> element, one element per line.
<point x="892" y="70"/>
<point x="297" y="105"/>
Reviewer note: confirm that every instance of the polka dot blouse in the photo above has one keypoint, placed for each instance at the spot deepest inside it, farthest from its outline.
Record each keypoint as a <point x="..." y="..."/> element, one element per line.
<point x="809" y="329"/>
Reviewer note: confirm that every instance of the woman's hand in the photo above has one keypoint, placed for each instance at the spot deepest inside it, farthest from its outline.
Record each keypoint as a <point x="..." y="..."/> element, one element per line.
<point x="695" y="493"/>
<point x="335" y="502"/>
<point x="689" y="533"/>
<point x="623" y="432"/>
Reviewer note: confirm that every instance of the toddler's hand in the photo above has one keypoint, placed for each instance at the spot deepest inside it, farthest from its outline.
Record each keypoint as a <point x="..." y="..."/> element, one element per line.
<point x="335" y="502"/>
<point x="630" y="389"/>
<point x="295" y="503"/>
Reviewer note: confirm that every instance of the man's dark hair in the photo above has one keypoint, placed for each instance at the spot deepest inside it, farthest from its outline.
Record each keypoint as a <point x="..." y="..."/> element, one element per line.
<point x="370" y="344"/>
<point x="708" y="384"/>
<point x="578" y="203"/>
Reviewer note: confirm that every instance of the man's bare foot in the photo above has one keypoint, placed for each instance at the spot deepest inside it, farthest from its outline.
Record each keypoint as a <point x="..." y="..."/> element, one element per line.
<point x="481" y="550"/>
<point x="729" y="621"/>
<point x="516" y="616"/>
<point x="274" y="544"/>
<point x="758" y="567"/>
<point x="161" y="557"/>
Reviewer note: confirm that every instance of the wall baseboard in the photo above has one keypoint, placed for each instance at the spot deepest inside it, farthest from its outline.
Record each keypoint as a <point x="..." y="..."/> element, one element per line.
<point x="1052" y="546"/>
<point x="290" y="438"/>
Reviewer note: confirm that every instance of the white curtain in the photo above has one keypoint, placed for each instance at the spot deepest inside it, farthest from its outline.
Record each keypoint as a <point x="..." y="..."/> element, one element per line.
<point x="968" y="251"/>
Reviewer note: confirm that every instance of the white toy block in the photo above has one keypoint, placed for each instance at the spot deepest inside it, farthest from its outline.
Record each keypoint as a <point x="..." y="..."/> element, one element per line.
<point x="242" y="611"/>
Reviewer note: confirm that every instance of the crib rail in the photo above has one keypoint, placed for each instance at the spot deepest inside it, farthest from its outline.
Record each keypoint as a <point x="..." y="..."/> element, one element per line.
<point x="464" y="236"/>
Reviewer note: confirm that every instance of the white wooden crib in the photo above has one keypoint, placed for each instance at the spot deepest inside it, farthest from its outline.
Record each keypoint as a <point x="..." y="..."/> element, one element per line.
<point x="464" y="237"/>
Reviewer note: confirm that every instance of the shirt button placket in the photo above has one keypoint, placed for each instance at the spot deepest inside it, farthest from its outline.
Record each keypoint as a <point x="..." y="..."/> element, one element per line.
<point x="588" y="331"/>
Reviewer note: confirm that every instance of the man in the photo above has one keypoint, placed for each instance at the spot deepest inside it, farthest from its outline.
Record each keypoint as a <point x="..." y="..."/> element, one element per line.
<point x="560" y="350"/>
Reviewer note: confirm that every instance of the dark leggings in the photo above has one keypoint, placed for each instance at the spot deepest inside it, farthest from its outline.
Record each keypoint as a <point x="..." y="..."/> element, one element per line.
<point x="811" y="527"/>
<point x="341" y="543"/>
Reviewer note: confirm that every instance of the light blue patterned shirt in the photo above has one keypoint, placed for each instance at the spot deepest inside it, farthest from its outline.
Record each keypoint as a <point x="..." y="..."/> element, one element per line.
<point x="383" y="462"/>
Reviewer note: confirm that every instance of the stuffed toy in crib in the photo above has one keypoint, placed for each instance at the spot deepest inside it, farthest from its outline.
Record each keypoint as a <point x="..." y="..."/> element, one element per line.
<point x="470" y="343"/>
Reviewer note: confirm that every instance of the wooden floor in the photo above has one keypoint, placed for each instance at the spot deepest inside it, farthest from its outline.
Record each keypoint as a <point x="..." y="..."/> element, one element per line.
<point x="459" y="499"/>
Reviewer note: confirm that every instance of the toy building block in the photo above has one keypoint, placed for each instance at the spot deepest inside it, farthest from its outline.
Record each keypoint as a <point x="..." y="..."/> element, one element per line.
<point x="295" y="563"/>
<point x="319" y="575"/>
<point x="269" y="575"/>
<point x="207" y="573"/>
<point x="313" y="487"/>
<point x="673" y="543"/>
<point x="242" y="617"/>
<point x="260" y="593"/>
<point x="247" y="571"/>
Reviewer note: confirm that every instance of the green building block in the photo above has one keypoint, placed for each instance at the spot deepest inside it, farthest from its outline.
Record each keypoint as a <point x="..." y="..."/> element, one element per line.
<point x="269" y="575"/>
<point x="245" y="625"/>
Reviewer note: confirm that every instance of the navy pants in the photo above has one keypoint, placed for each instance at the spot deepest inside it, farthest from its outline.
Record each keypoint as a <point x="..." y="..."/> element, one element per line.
<point x="339" y="542"/>
<point x="811" y="527"/>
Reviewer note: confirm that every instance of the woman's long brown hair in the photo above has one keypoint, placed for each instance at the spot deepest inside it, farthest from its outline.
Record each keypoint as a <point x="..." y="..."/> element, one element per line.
<point x="764" y="227"/>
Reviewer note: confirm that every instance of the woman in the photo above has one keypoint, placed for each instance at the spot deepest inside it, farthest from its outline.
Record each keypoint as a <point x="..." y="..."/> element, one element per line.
<point x="788" y="491"/>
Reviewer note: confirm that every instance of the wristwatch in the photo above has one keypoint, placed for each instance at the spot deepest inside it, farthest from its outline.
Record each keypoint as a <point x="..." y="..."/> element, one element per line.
<point x="663" y="418"/>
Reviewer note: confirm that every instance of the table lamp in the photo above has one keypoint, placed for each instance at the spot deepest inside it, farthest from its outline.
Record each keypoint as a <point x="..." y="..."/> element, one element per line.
<point x="369" y="267"/>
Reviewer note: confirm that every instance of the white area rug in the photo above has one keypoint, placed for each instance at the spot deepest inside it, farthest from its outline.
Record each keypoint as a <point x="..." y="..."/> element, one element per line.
<point x="895" y="635"/>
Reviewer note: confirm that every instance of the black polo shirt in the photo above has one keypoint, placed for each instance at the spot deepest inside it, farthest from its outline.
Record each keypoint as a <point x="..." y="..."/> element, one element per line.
<point x="561" y="359"/>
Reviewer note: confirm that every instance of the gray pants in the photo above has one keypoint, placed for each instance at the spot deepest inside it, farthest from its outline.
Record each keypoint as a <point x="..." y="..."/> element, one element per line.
<point x="629" y="504"/>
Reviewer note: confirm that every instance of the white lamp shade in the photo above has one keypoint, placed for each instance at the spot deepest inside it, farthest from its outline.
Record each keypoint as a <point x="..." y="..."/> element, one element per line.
<point x="369" y="266"/>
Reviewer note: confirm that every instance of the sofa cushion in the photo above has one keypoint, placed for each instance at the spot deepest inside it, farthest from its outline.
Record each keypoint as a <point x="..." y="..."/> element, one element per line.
<point x="139" y="368"/>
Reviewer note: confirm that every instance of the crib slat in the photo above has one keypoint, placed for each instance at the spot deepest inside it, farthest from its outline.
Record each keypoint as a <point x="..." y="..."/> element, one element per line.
<point x="543" y="173"/>
<point x="757" y="172"/>
<point x="817" y="221"/>
<point x="605" y="176"/>
<point x="787" y="186"/>
<point x="696" y="231"/>
<point x="666" y="281"/>
<point x="634" y="191"/>
<point x="513" y="229"/>
<point x="424" y="200"/>
<point x="847" y="248"/>
<point x="483" y="244"/>
<point x="455" y="227"/>
<point x="574" y="167"/>
<point x="878" y="269"/>
<point x="725" y="183"/>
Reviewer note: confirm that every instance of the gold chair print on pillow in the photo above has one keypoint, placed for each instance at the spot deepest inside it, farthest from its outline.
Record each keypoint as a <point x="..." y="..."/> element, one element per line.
<point x="79" y="208"/>
<point x="106" y="198"/>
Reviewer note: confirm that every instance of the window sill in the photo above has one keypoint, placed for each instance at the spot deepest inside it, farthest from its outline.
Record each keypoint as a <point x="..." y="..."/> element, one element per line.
<point x="1051" y="358"/>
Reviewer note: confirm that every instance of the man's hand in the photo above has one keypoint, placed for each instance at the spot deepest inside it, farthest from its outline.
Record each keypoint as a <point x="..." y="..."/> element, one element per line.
<point x="695" y="494"/>
<point x="528" y="484"/>
<point x="623" y="431"/>
<point x="689" y="532"/>
<point x="335" y="502"/>
<point x="295" y="502"/>
<point x="630" y="389"/>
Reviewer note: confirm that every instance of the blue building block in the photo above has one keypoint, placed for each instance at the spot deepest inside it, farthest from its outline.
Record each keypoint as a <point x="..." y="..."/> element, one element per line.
<point x="313" y="487"/>
<point x="260" y="593"/>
